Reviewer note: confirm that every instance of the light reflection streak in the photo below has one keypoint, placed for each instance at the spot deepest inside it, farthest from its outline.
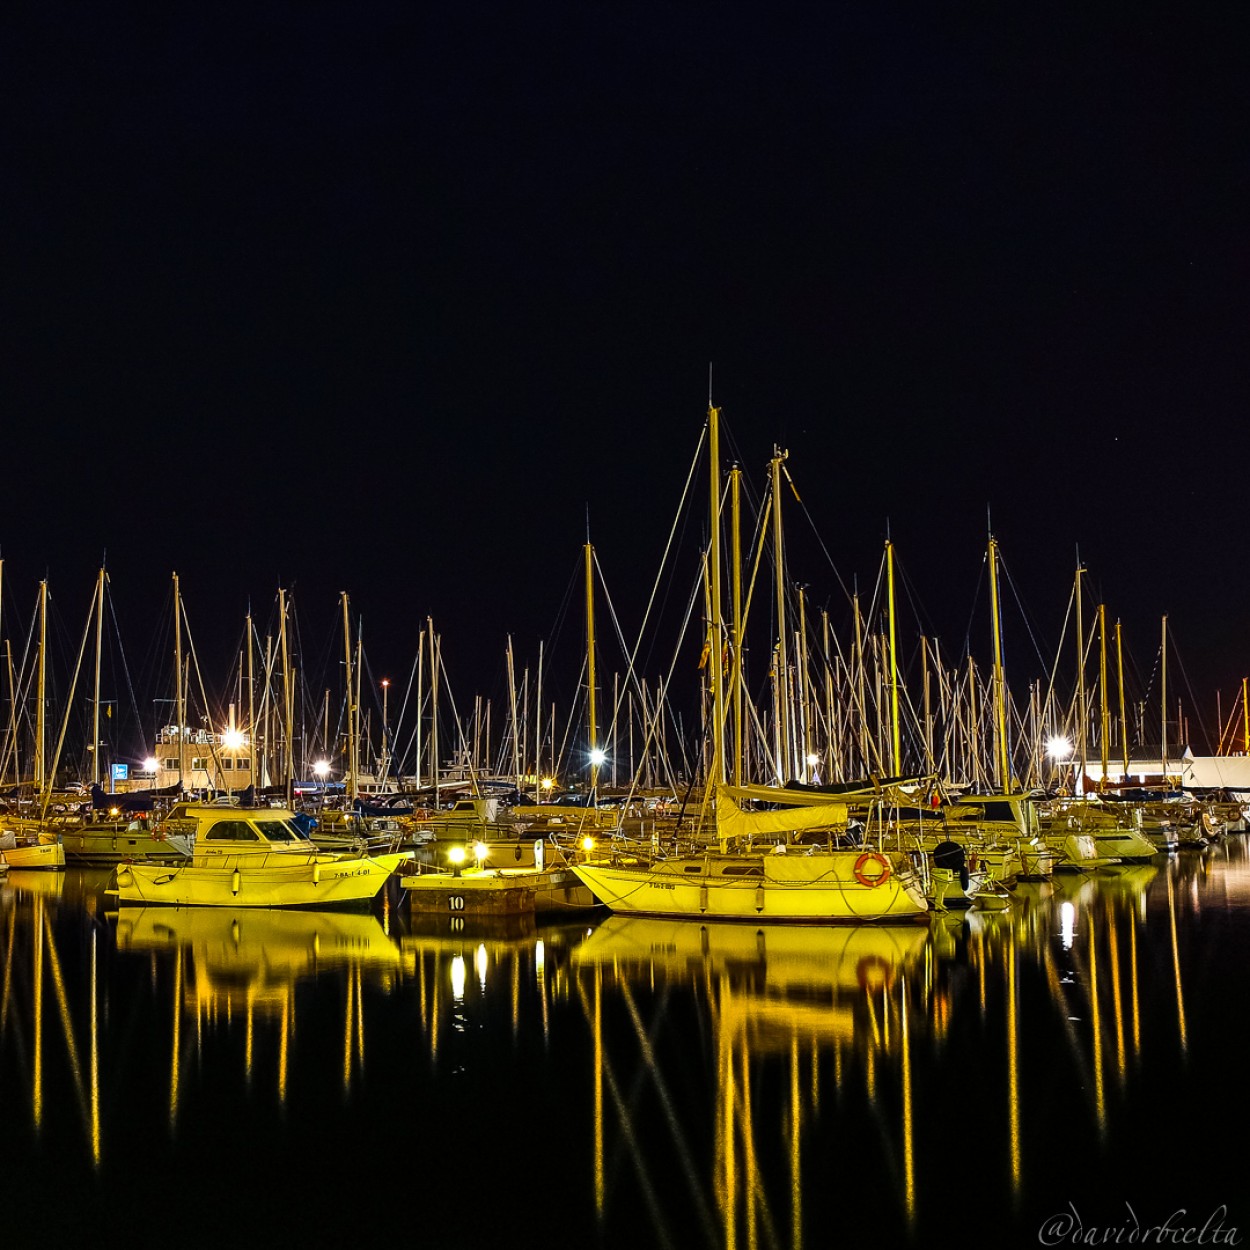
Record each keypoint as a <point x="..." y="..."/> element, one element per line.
<point x="62" y="1002"/>
<point x="909" y="1144"/>
<point x="1176" y="965"/>
<point x="348" y="1017"/>
<point x="95" y="1052"/>
<point x="1067" y="914"/>
<point x="1013" y="1063"/>
<point x="1116" y="993"/>
<point x="787" y="1018"/>
<point x="174" y="1057"/>
<point x="37" y="1090"/>
<point x="1100" y="1095"/>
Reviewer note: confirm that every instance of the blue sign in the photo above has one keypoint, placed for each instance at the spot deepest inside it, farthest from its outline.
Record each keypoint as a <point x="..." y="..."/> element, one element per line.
<point x="121" y="772"/>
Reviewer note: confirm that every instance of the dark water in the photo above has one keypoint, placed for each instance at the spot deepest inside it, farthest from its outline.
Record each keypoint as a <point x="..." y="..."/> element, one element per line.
<point x="221" y="1078"/>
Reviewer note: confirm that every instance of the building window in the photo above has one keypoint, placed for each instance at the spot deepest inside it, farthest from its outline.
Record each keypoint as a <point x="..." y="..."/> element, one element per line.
<point x="171" y="765"/>
<point x="227" y="764"/>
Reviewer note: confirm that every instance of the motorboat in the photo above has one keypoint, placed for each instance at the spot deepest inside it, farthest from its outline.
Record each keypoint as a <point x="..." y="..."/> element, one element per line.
<point x="28" y="849"/>
<point x="254" y="857"/>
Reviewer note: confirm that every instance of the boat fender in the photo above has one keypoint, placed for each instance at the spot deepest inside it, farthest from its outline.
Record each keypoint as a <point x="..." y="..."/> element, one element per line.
<point x="316" y="874"/>
<point x="235" y="882"/>
<point x="874" y="972"/>
<point x="872" y="880"/>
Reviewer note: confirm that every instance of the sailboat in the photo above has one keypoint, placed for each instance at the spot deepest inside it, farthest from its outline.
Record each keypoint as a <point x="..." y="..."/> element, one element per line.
<point x="755" y="869"/>
<point x="24" y="845"/>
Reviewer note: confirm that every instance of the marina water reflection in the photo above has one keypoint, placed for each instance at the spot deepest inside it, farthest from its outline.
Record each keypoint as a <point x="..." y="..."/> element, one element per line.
<point x="667" y="1082"/>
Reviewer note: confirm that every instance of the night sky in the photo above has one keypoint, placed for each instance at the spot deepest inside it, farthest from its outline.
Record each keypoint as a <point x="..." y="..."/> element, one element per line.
<point x="398" y="299"/>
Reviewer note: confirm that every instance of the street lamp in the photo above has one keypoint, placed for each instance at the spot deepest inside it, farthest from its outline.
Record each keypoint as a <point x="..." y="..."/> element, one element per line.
<point x="1059" y="748"/>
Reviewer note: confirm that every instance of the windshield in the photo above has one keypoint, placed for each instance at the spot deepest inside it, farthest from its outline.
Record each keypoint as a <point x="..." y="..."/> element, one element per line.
<point x="278" y="830"/>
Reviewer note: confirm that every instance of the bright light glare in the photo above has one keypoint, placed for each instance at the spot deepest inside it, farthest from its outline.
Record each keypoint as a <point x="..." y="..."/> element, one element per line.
<point x="479" y="851"/>
<point x="322" y="769"/>
<point x="548" y="783"/>
<point x="457" y="977"/>
<point x="456" y="855"/>
<point x="149" y="764"/>
<point x="813" y="760"/>
<point x="597" y="756"/>
<point x="233" y="739"/>
<point x="1059" y="747"/>
<point x="588" y="844"/>
<point x="480" y="963"/>
<point x="1067" y="925"/>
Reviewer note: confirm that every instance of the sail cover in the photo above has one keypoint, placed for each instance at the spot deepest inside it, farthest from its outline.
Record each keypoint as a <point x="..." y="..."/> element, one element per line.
<point x="809" y="811"/>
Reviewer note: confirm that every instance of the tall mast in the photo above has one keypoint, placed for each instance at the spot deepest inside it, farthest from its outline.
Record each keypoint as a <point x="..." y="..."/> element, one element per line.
<point x="714" y="637"/>
<point x="95" y="719"/>
<point x="538" y="727"/>
<point x="735" y="484"/>
<point x="833" y="744"/>
<point x="40" y="715"/>
<point x="1245" y="709"/>
<point x="1000" y="694"/>
<point x="1080" y="681"/>
<point x="352" y="710"/>
<point x="859" y="687"/>
<point x="804" y="691"/>
<point x="1119" y="663"/>
<point x="1163" y="701"/>
<point x="420" y="697"/>
<point x="4" y="755"/>
<point x="1102" y="693"/>
<point x="360" y="670"/>
<point x="516" y="746"/>
<point x="782" y="685"/>
<point x="896" y="750"/>
<point x="179" y="697"/>
<point x="973" y="720"/>
<point x="434" y="666"/>
<point x="590" y="670"/>
<point x="251" y="707"/>
<point x="928" y="705"/>
<point x="288" y="708"/>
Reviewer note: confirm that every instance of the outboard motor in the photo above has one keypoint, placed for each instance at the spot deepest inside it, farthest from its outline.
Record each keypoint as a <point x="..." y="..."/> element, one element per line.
<point x="951" y="855"/>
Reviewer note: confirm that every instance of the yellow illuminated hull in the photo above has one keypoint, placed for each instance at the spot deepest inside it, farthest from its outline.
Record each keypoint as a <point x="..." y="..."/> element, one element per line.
<point x="273" y="880"/>
<point x="795" y="888"/>
<point x="46" y="855"/>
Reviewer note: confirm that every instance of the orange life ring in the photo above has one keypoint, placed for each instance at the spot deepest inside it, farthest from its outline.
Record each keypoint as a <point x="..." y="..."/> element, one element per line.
<point x="879" y="878"/>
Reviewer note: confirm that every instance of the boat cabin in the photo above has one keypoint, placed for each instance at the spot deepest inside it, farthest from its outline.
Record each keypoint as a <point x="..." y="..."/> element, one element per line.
<point x="244" y="831"/>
